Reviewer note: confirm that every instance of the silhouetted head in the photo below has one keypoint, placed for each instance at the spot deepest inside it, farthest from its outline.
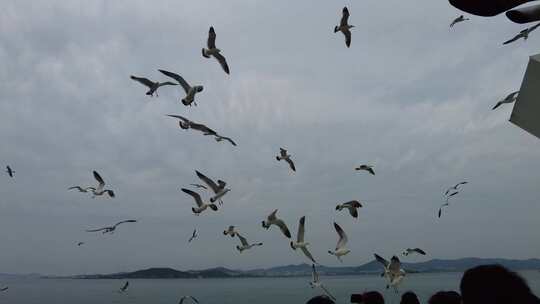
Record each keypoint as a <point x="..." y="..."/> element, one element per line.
<point x="320" y="300"/>
<point x="199" y="89"/>
<point x="238" y="248"/>
<point x="409" y="298"/>
<point x="495" y="284"/>
<point x="445" y="297"/>
<point x="370" y="297"/>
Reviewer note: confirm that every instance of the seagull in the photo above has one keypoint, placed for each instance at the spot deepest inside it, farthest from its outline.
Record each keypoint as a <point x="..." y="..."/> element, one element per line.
<point x="111" y="229"/>
<point x="352" y="206"/>
<point x="230" y="231"/>
<point x="344" y="27"/>
<point x="413" y="250"/>
<point x="512" y="97"/>
<point x="366" y="168"/>
<point x="188" y="298"/>
<point x="80" y="243"/>
<point x="100" y="188"/>
<point x="287" y="157"/>
<point x="152" y="86"/>
<point x="218" y="189"/>
<point x="316" y="282"/>
<point x="245" y="245"/>
<point x="124" y="288"/>
<point x="190" y="91"/>
<point x="273" y="220"/>
<point x="455" y="187"/>
<point x="458" y="20"/>
<point x="81" y="189"/>
<point x="442" y="206"/>
<point x="188" y="124"/>
<point x="200" y="205"/>
<point x="193" y="236"/>
<point x="213" y="51"/>
<point x="221" y="138"/>
<point x="340" y="247"/>
<point x="523" y="34"/>
<point x="199" y="186"/>
<point x="300" y="243"/>
<point x="392" y="270"/>
<point x="4" y="289"/>
<point x="9" y="171"/>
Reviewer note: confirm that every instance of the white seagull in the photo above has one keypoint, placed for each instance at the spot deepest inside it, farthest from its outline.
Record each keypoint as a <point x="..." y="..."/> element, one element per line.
<point x="230" y="231"/>
<point x="458" y="20"/>
<point x="273" y="220"/>
<point x="345" y="27"/>
<point x="111" y="229"/>
<point x="352" y="206"/>
<point x="287" y="157"/>
<point x="186" y="124"/>
<point x="245" y="245"/>
<point x="188" y="298"/>
<point x="316" y="282"/>
<point x="100" y="189"/>
<point x="523" y="34"/>
<point x="201" y="206"/>
<point x="392" y="270"/>
<point x="365" y="168"/>
<point x="413" y="250"/>
<point x="212" y="50"/>
<point x="300" y="243"/>
<point x="218" y="189"/>
<point x="124" y="288"/>
<point x="152" y="86"/>
<point x="190" y="91"/>
<point x="342" y="242"/>
<point x="512" y="97"/>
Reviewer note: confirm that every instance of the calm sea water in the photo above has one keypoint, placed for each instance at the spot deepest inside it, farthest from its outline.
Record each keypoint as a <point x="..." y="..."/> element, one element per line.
<point x="223" y="291"/>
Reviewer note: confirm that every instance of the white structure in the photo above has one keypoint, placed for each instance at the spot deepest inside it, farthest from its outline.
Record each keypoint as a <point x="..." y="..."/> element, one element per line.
<point x="526" y="112"/>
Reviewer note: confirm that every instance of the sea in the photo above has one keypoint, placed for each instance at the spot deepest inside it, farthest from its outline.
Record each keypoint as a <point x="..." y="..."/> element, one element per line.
<point x="223" y="291"/>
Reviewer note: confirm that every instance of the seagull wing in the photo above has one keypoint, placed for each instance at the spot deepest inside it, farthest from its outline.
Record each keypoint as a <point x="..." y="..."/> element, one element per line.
<point x="185" y="120"/>
<point x="76" y="187"/>
<point x="291" y="164"/>
<point x="282" y="152"/>
<point x="229" y="140"/>
<point x="272" y="215"/>
<point x="99" y="180"/>
<point x="211" y="43"/>
<point x="242" y="240"/>
<point x="510" y="96"/>
<point x="420" y="251"/>
<point x="301" y="229"/>
<point x="283" y="227"/>
<point x="215" y="188"/>
<point x="200" y="127"/>
<point x="166" y="83"/>
<point x="178" y="78"/>
<point x="126" y="221"/>
<point x="381" y="260"/>
<point x="347" y="34"/>
<point x="513" y="39"/>
<point x="342" y="237"/>
<point x="314" y="274"/>
<point x="344" y="17"/>
<point x="223" y="62"/>
<point x="195" y="196"/>
<point x="96" y="230"/>
<point x="308" y="254"/>
<point x="145" y="81"/>
<point x="532" y="28"/>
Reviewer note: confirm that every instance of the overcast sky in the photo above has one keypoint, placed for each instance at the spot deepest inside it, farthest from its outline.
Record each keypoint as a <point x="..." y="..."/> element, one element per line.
<point x="410" y="96"/>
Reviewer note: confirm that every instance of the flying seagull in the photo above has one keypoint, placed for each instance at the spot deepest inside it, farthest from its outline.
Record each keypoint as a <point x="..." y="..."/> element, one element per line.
<point x="366" y="168"/>
<point x="213" y="51"/>
<point x="455" y="187"/>
<point x="413" y="250"/>
<point x="4" y="288"/>
<point x="300" y="243"/>
<point x="81" y="189"/>
<point x="199" y="186"/>
<point x="230" y="231"/>
<point x="245" y="245"/>
<point x="125" y="287"/>
<point x="523" y="34"/>
<point x="100" y="189"/>
<point x="152" y="86"/>
<point x="220" y="138"/>
<point x="287" y="157"/>
<point x="201" y="206"/>
<point x="193" y="236"/>
<point x="218" y="189"/>
<point x="342" y="242"/>
<point x="352" y="206"/>
<point x="190" y="91"/>
<point x="458" y="20"/>
<point x="512" y="97"/>
<point x="392" y="270"/>
<point x="188" y="298"/>
<point x="186" y="124"/>
<point x="273" y="220"/>
<point x="80" y="243"/>
<point x="9" y="171"/>
<point x="345" y="27"/>
<point x="111" y="229"/>
<point x="316" y="282"/>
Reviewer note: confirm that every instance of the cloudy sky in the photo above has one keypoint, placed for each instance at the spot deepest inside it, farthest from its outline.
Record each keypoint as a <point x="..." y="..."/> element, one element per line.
<point x="410" y="96"/>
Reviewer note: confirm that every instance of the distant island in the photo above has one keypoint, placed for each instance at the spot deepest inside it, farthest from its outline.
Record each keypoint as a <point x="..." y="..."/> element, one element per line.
<point x="431" y="266"/>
